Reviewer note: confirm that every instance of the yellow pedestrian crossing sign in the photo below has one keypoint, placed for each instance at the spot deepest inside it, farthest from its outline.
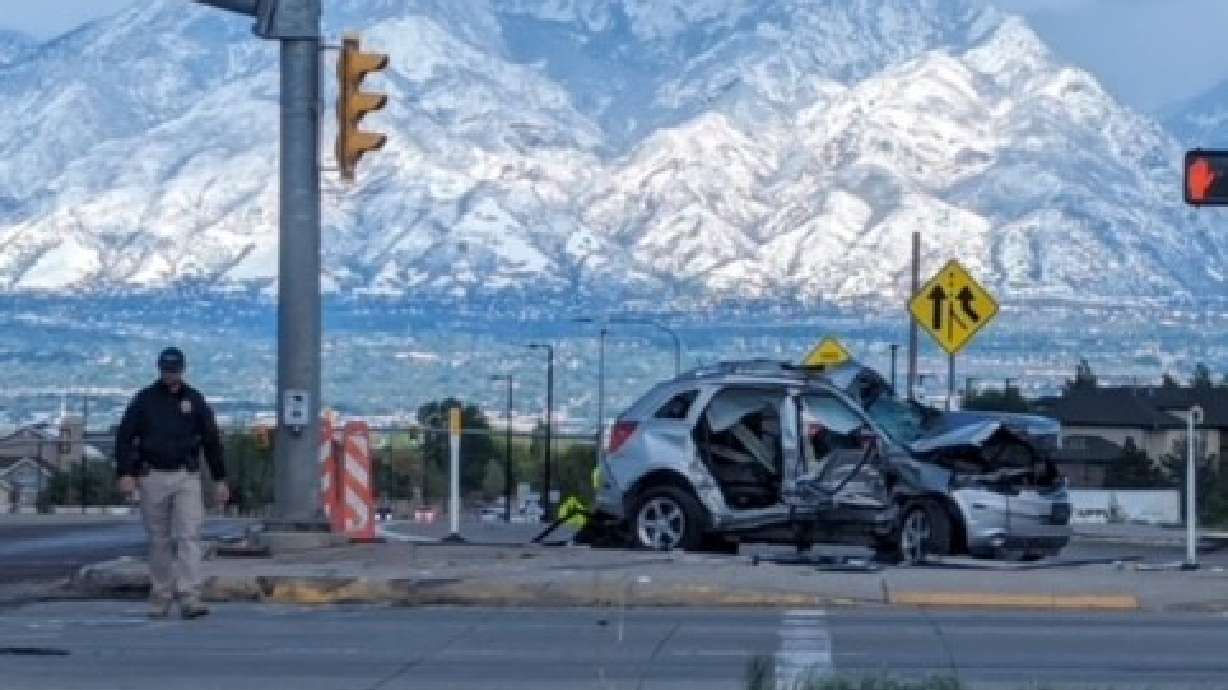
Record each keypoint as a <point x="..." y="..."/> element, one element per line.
<point x="828" y="353"/>
<point x="953" y="307"/>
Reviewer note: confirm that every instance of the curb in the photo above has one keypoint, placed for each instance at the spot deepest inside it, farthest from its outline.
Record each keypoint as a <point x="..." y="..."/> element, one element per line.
<point x="119" y="579"/>
<point x="1073" y="602"/>
<point x="104" y="582"/>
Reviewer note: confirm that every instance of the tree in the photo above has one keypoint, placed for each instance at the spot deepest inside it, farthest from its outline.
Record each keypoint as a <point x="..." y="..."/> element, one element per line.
<point x="574" y="471"/>
<point x="65" y="488"/>
<point x="1212" y="484"/>
<point x="1133" y="470"/>
<point x="1202" y="377"/>
<point x="993" y="400"/>
<point x="477" y="447"/>
<point x="1167" y="381"/>
<point x="1084" y="378"/>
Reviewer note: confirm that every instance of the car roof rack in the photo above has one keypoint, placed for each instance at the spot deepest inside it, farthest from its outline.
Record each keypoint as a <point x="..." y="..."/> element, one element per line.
<point x="760" y="367"/>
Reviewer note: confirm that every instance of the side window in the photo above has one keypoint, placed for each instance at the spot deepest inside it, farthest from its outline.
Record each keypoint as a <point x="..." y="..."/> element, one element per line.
<point x="832" y="429"/>
<point x="678" y="406"/>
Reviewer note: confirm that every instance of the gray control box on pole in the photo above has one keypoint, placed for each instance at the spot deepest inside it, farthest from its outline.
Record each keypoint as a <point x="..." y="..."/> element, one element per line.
<point x="296" y="24"/>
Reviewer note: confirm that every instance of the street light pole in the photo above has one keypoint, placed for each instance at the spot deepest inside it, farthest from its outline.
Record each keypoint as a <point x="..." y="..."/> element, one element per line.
<point x="507" y="457"/>
<point x="661" y="327"/>
<point x="600" y="385"/>
<point x="547" y="511"/>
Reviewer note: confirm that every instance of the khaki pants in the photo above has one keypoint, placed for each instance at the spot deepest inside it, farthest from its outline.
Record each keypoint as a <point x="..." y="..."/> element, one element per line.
<point x="173" y="511"/>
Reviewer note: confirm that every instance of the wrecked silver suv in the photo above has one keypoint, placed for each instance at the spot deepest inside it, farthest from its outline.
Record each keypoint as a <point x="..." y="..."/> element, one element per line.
<point x="765" y="451"/>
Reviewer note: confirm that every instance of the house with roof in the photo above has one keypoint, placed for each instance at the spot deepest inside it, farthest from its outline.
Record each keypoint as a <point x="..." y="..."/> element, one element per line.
<point x="1154" y="418"/>
<point x="60" y="446"/>
<point x="25" y="479"/>
<point x="1085" y="459"/>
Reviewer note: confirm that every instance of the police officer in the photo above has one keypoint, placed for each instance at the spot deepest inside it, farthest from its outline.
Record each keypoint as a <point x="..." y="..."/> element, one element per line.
<point x="158" y="448"/>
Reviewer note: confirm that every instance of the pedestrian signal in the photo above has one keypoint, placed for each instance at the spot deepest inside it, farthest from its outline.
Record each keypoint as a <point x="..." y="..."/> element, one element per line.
<point x="1206" y="178"/>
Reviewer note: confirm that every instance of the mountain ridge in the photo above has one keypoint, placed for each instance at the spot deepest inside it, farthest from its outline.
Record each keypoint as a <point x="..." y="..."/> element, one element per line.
<point x="613" y="149"/>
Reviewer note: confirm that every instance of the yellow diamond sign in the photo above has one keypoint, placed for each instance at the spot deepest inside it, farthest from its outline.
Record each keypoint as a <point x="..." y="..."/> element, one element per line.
<point x="828" y="353"/>
<point x="953" y="307"/>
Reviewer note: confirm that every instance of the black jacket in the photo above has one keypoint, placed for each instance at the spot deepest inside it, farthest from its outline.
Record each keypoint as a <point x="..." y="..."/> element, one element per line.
<point x="166" y="431"/>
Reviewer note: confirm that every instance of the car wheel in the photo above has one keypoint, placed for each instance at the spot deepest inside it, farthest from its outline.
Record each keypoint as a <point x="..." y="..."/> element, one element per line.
<point x="925" y="530"/>
<point x="668" y="518"/>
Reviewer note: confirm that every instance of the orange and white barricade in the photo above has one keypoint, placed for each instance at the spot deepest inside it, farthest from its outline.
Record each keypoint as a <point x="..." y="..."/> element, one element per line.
<point x="329" y="486"/>
<point x="357" y="482"/>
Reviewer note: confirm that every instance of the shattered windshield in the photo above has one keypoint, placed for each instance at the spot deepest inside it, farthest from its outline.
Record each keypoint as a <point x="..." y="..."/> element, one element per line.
<point x="902" y="421"/>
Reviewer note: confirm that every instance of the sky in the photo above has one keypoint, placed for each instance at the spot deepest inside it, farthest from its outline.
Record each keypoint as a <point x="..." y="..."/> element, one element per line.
<point x="1153" y="54"/>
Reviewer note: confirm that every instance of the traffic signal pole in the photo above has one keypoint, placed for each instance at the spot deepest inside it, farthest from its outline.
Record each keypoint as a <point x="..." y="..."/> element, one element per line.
<point x="299" y="304"/>
<point x="296" y="24"/>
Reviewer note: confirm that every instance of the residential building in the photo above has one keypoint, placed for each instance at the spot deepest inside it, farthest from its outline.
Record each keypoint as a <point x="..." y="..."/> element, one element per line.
<point x="25" y="478"/>
<point x="59" y="446"/>
<point x="1154" y="418"/>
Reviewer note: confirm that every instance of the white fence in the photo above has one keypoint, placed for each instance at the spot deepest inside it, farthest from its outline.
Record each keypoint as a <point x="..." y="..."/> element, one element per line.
<point x="1102" y="506"/>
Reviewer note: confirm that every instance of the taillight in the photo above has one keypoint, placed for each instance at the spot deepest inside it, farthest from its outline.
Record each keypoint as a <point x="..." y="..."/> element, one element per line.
<point x="619" y="435"/>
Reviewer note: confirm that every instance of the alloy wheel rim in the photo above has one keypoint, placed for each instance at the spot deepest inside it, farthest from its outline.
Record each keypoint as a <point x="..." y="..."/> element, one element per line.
<point x="661" y="524"/>
<point x="915" y="534"/>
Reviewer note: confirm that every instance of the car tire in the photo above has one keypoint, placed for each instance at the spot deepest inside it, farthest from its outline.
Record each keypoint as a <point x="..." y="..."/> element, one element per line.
<point x="925" y="530"/>
<point x="667" y="518"/>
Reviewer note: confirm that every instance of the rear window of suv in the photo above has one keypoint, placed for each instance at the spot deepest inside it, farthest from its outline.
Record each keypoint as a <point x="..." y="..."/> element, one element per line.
<point x="678" y="406"/>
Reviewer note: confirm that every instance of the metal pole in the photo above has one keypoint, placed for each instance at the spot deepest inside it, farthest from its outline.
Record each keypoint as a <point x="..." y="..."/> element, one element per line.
<point x="298" y="322"/>
<point x="547" y="510"/>
<point x="296" y="24"/>
<point x="912" y="323"/>
<point x="85" y="415"/>
<point x="677" y="352"/>
<point x="895" y="350"/>
<point x="507" y="458"/>
<point x="950" y="382"/>
<point x="1191" y="503"/>
<point x="601" y="396"/>
<point x="37" y="496"/>
<point x="454" y="502"/>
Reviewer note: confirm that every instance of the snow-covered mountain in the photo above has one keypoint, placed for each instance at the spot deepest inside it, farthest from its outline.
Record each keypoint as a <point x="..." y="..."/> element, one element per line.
<point x="1203" y="120"/>
<point x="678" y="149"/>
<point x="14" y="45"/>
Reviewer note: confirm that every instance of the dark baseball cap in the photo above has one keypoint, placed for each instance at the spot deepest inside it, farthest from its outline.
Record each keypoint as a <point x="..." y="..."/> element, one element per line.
<point x="172" y="361"/>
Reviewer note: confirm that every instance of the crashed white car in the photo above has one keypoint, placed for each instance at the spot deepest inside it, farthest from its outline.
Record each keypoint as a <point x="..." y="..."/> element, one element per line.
<point x="766" y="451"/>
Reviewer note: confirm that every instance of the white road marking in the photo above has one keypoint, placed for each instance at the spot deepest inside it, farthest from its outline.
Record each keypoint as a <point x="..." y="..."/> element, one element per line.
<point x="805" y="648"/>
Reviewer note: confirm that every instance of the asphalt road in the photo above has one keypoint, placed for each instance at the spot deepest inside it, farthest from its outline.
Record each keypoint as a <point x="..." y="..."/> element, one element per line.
<point x="90" y="645"/>
<point x="36" y="550"/>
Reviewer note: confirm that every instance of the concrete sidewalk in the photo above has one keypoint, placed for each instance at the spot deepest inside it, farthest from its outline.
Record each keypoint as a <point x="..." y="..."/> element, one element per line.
<point x="1149" y="535"/>
<point x="469" y="575"/>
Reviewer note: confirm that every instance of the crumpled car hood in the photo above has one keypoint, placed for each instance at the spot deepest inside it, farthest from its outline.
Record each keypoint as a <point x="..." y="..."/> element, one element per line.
<point x="970" y="434"/>
<point x="963" y="429"/>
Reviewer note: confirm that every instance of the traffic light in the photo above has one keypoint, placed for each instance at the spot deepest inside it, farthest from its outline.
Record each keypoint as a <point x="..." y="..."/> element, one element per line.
<point x="354" y="104"/>
<point x="1206" y="178"/>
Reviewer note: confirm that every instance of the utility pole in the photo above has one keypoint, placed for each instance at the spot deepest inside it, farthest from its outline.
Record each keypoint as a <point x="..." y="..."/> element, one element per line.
<point x="296" y="24"/>
<point x="912" y="323"/>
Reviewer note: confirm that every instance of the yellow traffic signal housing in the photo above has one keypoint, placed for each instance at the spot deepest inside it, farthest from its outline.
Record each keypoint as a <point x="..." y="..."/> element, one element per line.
<point x="353" y="105"/>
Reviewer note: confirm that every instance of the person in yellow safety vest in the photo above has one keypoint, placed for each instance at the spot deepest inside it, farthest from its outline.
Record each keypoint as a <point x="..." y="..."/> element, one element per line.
<point x="573" y="512"/>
